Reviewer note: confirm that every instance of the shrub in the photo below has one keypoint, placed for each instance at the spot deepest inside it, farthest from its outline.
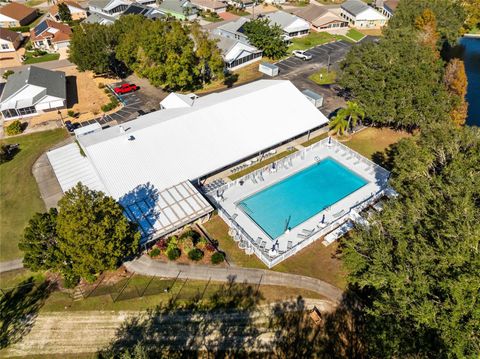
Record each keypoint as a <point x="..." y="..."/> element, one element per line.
<point x="210" y="247"/>
<point x="7" y="73"/>
<point x="173" y="253"/>
<point x="71" y="113"/>
<point x="217" y="258"/>
<point x="20" y="29"/>
<point x="162" y="244"/>
<point x="195" y="254"/>
<point x="155" y="252"/>
<point x="15" y="128"/>
<point x="101" y="85"/>
<point x="70" y="280"/>
<point x="107" y="91"/>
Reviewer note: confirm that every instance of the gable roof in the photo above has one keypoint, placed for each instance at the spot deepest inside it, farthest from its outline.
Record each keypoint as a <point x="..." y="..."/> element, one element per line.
<point x="52" y="81"/>
<point x="354" y="7"/>
<point x="311" y="12"/>
<point x="139" y="9"/>
<point x="17" y="11"/>
<point x="49" y="29"/>
<point x="176" y="6"/>
<point x="391" y="4"/>
<point x="210" y="4"/>
<point x="107" y="5"/>
<point x="98" y="18"/>
<point x="53" y="10"/>
<point x="235" y="25"/>
<point x="9" y="35"/>
<point x="282" y="18"/>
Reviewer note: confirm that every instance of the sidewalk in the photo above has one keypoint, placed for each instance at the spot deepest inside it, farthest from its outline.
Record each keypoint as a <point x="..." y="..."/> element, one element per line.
<point x="145" y="265"/>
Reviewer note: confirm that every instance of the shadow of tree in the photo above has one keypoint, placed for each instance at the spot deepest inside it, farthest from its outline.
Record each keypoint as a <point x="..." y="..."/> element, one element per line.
<point x="19" y="308"/>
<point x="230" y="79"/>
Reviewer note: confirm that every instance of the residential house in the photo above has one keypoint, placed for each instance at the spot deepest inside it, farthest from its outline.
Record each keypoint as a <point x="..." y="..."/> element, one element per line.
<point x="146" y="11"/>
<point x="9" y="40"/>
<point x="233" y="30"/>
<point x="14" y="14"/>
<point x="236" y="53"/>
<point x="210" y="5"/>
<point x="147" y="2"/>
<point x="99" y="18"/>
<point x="242" y="4"/>
<point x="108" y="7"/>
<point x="179" y="9"/>
<point x="360" y="15"/>
<point x="275" y="2"/>
<point x="50" y="35"/>
<point x="387" y="7"/>
<point x="32" y="91"/>
<point x="77" y="12"/>
<point x="292" y="25"/>
<point x="321" y="18"/>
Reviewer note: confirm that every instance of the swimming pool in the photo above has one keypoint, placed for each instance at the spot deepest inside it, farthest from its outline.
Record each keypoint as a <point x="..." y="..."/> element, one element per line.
<point x="299" y="197"/>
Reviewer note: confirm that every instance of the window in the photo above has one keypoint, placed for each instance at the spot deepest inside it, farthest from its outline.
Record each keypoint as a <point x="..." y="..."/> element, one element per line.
<point x="5" y="47"/>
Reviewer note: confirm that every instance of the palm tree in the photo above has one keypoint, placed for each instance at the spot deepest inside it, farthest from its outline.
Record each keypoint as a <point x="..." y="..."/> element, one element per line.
<point x="346" y="118"/>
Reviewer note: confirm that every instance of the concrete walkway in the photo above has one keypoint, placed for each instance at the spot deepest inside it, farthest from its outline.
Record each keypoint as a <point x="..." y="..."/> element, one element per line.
<point x="146" y="266"/>
<point x="11" y="265"/>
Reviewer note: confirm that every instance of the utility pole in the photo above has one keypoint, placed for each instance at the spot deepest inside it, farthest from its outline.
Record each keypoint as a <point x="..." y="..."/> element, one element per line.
<point x="328" y="64"/>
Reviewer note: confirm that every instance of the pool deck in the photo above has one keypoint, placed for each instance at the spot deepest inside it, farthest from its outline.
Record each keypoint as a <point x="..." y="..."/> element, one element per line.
<point x="253" y="239"/>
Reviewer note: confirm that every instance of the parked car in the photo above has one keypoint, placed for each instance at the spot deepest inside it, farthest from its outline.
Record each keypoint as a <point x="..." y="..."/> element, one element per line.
<point x="125" y="88"/>
<point x="302" y="55"/>
<point x="71" y="126"/>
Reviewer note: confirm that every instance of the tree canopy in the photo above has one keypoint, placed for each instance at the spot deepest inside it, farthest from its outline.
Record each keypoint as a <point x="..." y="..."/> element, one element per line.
<point x="88" y="235"/>
<point x="419" y="260"/>
<point x="166" y="52"/>
<point x="64" y="12"/>
<point x="266" y="37"/>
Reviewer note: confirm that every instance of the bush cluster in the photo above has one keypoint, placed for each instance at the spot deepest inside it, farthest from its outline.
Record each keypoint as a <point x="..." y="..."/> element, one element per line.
<point x="110" y="106"/>
<point x="195" y="254"/>
<point x="15" y="128"/>
<point x="155" y="252"/>
<point x="173" y="253"/>
<point x="217" y="258"/>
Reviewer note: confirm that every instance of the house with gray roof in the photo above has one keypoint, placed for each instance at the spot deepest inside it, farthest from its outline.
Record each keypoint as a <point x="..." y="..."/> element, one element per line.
<point x="386" y="7"/>
<point x="32" y="91"/>
<point x="236" y="53"/>
<point x="146" y="11"/>
<point x="360" y="15"/>
<point x="233" y="30"/>
<point x="292" y="25"/>
<point x="179" y="9"/>
<point x="99" y="18"/>
<point x="108" y="7"/>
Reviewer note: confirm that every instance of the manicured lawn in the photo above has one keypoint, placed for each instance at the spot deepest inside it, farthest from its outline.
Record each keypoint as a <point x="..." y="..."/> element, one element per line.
<point x="323" y="77"/>
<point x="19" y="194"/>
<point x="314" y="261"/>
<point x="314" y="39"/>
<point x="34" y="60"/>
<point x="13" y="278"/>
<point x="372" y="140"/>
<point x="355" y="35"/>
<point x="260" y="164"/>
<point x="313" y="140"/>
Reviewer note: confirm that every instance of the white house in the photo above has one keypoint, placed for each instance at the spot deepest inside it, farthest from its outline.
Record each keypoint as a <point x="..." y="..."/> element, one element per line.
<point x="50" y="35"/>
<point x="32" y="91"/>
<point x="151" y="164"/>
<point x="360" y="15"/>
<point x="387" y="7"/>
<point x="233" y="30"/>
<point x="210" y="5"/>
<point x="292" y="25"/>
<point x="321" y="18"/>
<point x="108" y="7"/>
<point x="237" y="53"/>
<point x="9" y="40"/>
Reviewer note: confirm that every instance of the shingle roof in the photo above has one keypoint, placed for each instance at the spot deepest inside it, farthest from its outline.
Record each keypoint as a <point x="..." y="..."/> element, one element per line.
<point x="210" y="4"/>
<point x="97" y="18"/>
<point x="53" y="81"/>
<point x="17" y="11"/>
<point x="234" y="26"/>
<point x="62" y="32"/>
<point x="9" y="35"/>
<point x="54" y="9"/>
<point x="176" y="6"/>
<point x="311" y="12"/>
<point x="281" y="18"/>
<point x="148" y="12"/>
<point x="392" y="4"/>
<point x="354" y="7"/>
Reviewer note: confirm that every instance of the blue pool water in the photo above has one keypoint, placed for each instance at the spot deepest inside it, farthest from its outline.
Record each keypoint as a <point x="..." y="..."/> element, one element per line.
<point x="301" y="196"/>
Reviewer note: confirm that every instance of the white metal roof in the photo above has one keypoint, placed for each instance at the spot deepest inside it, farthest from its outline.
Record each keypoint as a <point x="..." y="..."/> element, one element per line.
<point x="178" y="100"/>
<point x="168" y="147"/>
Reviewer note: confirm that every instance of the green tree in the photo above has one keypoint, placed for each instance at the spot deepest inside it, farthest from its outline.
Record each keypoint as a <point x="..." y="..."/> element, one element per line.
<point x="92" y="47"/>
<point x="210" y="61"/>
<point x="64" y="12"/>
<point x="346" y="118"/>
<point x="93" y="232"/>
<point x="398" y="82"/>
<point x="40" y="242"/>
<point x="267" y="38"/>
<point x="418" y="263"/>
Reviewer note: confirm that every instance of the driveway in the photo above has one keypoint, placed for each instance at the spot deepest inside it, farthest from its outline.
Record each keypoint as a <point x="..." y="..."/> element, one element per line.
<point x="298" y="71"/>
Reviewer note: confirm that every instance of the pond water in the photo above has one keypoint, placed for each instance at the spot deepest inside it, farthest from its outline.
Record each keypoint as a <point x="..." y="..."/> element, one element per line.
<point x="471" y="57"/>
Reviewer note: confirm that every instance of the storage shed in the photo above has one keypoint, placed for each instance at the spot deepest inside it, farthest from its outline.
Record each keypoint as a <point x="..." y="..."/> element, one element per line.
<point x="314" y="98"/>
<point x="268" y="69"/>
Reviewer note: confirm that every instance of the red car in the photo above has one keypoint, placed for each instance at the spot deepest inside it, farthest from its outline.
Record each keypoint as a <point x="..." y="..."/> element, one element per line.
<point x="125" y="88"/>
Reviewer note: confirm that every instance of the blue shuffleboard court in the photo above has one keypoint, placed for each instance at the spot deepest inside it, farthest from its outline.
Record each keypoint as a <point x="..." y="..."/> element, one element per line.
<point x="301" y="196"/>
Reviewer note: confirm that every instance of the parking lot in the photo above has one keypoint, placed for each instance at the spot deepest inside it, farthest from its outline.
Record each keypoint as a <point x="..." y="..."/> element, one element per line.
<point x="146" y="99"/>
<point x="298" y="71"/>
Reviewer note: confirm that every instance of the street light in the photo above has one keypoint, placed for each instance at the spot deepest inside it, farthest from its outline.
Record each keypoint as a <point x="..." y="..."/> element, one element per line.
<point x="328" y="64"/>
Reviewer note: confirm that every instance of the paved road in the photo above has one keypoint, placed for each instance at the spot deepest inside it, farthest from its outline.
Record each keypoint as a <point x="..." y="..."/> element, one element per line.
<point x="11" y="265"/>
<point x="145" y="265"/>
<point x="50" y="65"/>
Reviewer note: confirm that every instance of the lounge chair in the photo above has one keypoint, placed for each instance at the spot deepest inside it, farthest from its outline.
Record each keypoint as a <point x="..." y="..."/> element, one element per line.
<point x="262" y="245"/>
<point x="289" y="245"/>
<point x="304" y="236"/>
<point x="308" y="231"/>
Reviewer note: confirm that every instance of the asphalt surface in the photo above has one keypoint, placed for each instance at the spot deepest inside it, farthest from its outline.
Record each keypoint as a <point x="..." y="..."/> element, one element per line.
<point x="147" y="266"/>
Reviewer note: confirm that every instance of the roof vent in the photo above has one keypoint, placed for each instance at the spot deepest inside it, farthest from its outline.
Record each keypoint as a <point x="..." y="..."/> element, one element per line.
<point x="122" y="129"/>
<point x="131" y="138"/>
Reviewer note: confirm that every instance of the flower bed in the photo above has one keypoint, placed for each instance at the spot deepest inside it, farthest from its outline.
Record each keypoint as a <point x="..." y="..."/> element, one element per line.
<point x="188" y="247"/>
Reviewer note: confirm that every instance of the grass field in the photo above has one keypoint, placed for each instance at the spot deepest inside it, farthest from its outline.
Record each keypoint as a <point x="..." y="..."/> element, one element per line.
<point x="19" y="194"/>
<point x="323" y="77"/>
<point x="314" y="39"/>
<point x="34" y="60"/>
<point x="260" y="164"/>
<point x="355" y="35"/>
<point x="313" y="140"/>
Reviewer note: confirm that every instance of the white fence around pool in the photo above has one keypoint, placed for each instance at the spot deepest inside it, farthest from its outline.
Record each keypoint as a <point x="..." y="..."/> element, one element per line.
<point x="245" y="240"/>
